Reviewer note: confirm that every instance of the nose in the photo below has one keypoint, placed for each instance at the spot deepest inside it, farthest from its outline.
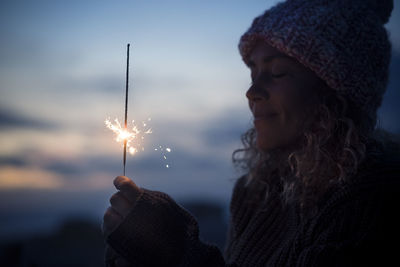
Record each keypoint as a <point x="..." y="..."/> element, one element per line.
<point x="256" y="93"/>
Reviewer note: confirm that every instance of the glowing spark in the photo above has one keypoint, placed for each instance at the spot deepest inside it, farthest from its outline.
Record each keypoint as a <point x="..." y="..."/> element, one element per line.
<point x="161" y="149"/>
<point x="132" y="150"/>
<point x="132" y="137"/>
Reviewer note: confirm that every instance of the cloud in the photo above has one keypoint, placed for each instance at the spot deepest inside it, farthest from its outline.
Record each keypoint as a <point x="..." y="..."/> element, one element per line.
<point x="31" y="177"/>
<point x="227" y="128"/>
<point x="100" y="83"/>
<point x="181" y="159"/>
<point x="82" y="167"/>
<point x="12" y="161"/>
<point x="65" y="168"/>
<point x="10" y="120"/>
<point x="200" y="156"/>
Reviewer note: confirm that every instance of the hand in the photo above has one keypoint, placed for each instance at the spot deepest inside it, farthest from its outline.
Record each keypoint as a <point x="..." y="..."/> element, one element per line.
<point x="113" y="259"/>
<point x="157" y="230"/>
<point x="121" y="203"/>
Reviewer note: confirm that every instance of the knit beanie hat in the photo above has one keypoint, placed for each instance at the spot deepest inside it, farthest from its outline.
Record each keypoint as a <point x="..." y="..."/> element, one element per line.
<point x="342" y="41"/>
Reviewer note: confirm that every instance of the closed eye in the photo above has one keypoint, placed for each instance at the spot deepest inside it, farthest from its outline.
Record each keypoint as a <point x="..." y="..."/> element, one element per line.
<point x="279" y="75"/>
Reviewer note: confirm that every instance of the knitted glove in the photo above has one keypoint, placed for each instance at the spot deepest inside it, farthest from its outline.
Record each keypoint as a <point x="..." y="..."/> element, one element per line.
<point x="159" y="232"/>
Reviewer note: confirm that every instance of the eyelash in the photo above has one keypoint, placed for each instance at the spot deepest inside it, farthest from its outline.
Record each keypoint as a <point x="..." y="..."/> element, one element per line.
<point x="275" y="76"/>
<point x="278" y="75"/>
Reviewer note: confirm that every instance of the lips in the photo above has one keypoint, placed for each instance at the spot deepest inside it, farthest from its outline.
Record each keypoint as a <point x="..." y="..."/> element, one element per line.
<point x="264" y="118"/>
<point x="260" y="114"/>
<point x="267" y="116"/>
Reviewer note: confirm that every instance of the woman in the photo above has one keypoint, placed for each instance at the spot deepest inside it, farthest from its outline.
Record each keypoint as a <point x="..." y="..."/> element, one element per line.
<point x="322" y="184"/>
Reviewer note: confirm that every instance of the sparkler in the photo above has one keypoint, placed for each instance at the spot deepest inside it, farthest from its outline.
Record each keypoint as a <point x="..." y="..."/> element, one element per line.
<point x="131" y="139"/>
<point x="128" y="137"/>
<point x="126" y="103"/>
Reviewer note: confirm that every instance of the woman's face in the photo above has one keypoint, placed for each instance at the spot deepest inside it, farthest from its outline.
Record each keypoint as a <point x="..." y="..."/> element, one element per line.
<point x="281" y="90"/>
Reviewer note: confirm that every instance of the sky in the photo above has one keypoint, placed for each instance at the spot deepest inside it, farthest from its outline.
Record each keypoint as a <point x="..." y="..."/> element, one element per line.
<point x="62" y="73"/>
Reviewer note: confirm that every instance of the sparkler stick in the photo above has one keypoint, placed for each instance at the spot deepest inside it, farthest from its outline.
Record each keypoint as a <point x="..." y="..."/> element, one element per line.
<point x="131" y="139"/>
<point x="126" y="103"/>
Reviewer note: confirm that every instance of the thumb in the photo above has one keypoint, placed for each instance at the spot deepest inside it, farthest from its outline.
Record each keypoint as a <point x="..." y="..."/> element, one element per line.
<point x="113" y="259"/>
<point x="128" y="188"/>
<point x="110" y="256"/>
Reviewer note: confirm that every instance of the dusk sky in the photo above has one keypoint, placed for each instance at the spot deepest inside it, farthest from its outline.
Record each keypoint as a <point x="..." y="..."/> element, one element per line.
<point x="62" y="73"/>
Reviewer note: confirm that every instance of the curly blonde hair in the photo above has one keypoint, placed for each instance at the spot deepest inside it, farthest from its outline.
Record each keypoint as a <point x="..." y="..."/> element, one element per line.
<point x="335" y="139"/>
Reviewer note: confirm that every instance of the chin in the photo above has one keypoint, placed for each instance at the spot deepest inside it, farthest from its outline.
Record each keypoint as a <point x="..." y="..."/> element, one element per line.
<point x="269" y="144"/>
<point x="266" y="145"/>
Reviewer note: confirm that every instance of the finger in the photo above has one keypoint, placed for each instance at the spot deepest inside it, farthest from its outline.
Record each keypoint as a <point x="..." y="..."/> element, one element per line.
<point x="110" y="254"/>
<point x="114" y="259"/>
<point x="111" y="220"/>
<point x="128" y="188"/>
<point x="120" y="203"/>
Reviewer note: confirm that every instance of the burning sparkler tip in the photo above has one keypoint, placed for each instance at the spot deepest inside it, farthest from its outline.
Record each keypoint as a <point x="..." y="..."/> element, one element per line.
<point x="130" y="137"/>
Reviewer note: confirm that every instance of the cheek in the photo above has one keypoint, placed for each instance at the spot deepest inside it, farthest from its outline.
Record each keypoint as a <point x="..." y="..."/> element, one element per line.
<point x="286" y="127"/>
<point x="293" y="110"/>
<point x="292" y="125"/>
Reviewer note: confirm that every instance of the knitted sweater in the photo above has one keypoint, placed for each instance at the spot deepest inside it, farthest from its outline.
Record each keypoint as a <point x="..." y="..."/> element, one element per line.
<point x="356" y="225"/>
